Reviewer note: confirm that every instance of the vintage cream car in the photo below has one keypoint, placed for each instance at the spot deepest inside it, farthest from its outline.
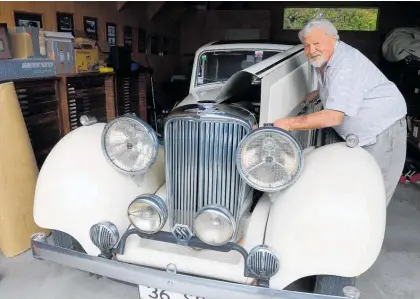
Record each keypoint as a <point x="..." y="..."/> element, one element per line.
<point x="217" y="209"/>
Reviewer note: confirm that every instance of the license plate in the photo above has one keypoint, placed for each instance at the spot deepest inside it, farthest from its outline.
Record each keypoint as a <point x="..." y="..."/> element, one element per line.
<point x="153" y="293"/>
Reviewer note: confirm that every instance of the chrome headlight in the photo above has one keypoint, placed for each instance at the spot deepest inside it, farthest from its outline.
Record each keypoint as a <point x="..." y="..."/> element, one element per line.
<point x="214" y="225"/>
<point x="148" y="213"/>
<point x="269" y="159"/>
<point x="130" y="144"/>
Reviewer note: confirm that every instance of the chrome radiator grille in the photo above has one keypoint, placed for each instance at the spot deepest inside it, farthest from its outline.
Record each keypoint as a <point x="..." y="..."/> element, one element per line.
<point x="201" y="167"/>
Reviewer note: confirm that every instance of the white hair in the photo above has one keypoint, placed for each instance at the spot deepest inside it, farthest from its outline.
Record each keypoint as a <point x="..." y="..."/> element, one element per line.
<point x="318" y="23"/>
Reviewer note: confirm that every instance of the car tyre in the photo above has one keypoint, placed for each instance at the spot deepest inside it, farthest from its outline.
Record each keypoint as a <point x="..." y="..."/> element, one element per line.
<point x="333" y="285"/>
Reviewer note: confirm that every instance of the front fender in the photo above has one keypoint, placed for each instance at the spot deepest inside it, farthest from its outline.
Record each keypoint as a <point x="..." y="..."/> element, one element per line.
<point x="332" y="220"/>
<point x="77" y="187"/>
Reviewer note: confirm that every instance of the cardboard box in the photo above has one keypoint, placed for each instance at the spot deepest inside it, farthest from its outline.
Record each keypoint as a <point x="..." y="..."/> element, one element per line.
<point x="27" y="42"/>
<point x="84" y="43"/>
<point x="86" y="60"/>
<point x="14" y="69"/>
<point x="42" y="44"/>
<point x="59" y="47"/>
<point x="37" y="41"/>
<point x="21" y="45"/>
<point x="86" y="55"/>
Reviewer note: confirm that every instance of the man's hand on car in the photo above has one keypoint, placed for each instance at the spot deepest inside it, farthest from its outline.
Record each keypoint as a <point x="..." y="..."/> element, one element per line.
<point x="283" y="123"/>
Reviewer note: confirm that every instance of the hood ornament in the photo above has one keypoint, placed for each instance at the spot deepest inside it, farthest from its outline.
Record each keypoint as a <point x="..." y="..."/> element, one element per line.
<point x="206" y="105"/>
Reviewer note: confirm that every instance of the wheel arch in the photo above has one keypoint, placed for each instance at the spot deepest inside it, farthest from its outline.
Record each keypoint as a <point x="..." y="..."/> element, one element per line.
<point x="332" y="220"/>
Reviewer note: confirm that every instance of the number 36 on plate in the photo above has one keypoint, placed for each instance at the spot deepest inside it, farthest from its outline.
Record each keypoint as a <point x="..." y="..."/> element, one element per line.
<point x="153" y="293"/>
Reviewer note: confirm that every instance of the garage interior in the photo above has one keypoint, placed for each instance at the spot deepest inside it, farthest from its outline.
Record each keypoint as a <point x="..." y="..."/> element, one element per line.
<point x="163" y="37"/>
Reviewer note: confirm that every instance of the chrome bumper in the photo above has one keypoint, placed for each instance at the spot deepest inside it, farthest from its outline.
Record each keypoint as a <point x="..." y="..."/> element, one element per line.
<point x="138" y="275"/>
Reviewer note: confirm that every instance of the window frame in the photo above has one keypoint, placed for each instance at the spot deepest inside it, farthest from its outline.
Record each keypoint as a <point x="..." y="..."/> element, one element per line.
<point x="332" y="7"/>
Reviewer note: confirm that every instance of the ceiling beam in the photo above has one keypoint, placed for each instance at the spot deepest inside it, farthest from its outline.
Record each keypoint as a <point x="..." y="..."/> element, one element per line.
<point x="153" y="8"/>
<point x="121" y="4"/>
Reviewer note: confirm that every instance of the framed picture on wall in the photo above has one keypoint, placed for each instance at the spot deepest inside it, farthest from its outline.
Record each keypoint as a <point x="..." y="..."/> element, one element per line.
<point x="111" y="34"/>
<point x="91" y="27"/>
<point x="141" y="40"/>
<point x="28" y="19"/>
<point x="65" y="22"/>
<point x="128" y="37"/>
<point x="5" y="52"/>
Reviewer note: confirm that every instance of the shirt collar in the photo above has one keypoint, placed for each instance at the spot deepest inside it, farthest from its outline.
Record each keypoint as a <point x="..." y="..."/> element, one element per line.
<point x="334" y="54"/>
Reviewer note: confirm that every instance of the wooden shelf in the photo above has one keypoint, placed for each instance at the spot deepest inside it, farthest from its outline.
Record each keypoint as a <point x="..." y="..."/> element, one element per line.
<point x="86" y="93"/>
<point x="131" y="94"/>
<point x="39" y="103"/>
<point x="52" y="106"/>
<point x="86" y="74"/>
<point x="31" y="80"/>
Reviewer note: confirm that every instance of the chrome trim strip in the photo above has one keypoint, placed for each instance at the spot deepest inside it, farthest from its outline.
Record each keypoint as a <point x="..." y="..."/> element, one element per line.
<point x="139" y="275"/>
<point x="294" y="51"/>
<point x="191" y="242"/>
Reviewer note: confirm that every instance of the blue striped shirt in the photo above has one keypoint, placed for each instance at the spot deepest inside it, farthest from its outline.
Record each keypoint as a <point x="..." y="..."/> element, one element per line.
<point x="353" y="85"/>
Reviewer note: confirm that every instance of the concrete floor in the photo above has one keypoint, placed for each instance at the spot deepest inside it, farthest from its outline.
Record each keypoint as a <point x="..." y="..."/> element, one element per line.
<point x="395" y="275"/>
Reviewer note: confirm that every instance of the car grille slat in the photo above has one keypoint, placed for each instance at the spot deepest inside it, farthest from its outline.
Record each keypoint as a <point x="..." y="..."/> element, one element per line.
<point x="189" y="170"/>
<point x="209" y="183"/>
<point x="201" y="162"/>
<point x="223" y="162"/>
<point x="181" y="167"/>
<point x="233" y="168"/>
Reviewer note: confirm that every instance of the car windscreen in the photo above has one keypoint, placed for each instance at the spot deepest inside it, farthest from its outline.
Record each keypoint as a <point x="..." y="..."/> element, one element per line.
<point x="219" y="66"/>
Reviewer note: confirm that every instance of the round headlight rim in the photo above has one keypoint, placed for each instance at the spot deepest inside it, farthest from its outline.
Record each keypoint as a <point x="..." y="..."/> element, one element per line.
<point x="284" y="133"/>
<point x="150" y="131"/>
<point x="158" y="204"/>
<point x="222" y="211"/>
<point x="267" y="250"/>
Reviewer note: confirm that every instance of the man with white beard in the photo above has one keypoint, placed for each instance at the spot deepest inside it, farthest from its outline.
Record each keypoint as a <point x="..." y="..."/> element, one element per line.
<point x="357" y="99"/>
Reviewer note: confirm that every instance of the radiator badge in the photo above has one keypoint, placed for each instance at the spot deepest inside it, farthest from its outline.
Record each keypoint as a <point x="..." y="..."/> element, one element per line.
<point x="182" y="234"/>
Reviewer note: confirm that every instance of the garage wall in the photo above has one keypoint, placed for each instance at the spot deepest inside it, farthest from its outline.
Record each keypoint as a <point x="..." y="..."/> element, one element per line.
<point x="199" y="28"/>
<point x="105" y="11"/>
<point x="369" y="43"/>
